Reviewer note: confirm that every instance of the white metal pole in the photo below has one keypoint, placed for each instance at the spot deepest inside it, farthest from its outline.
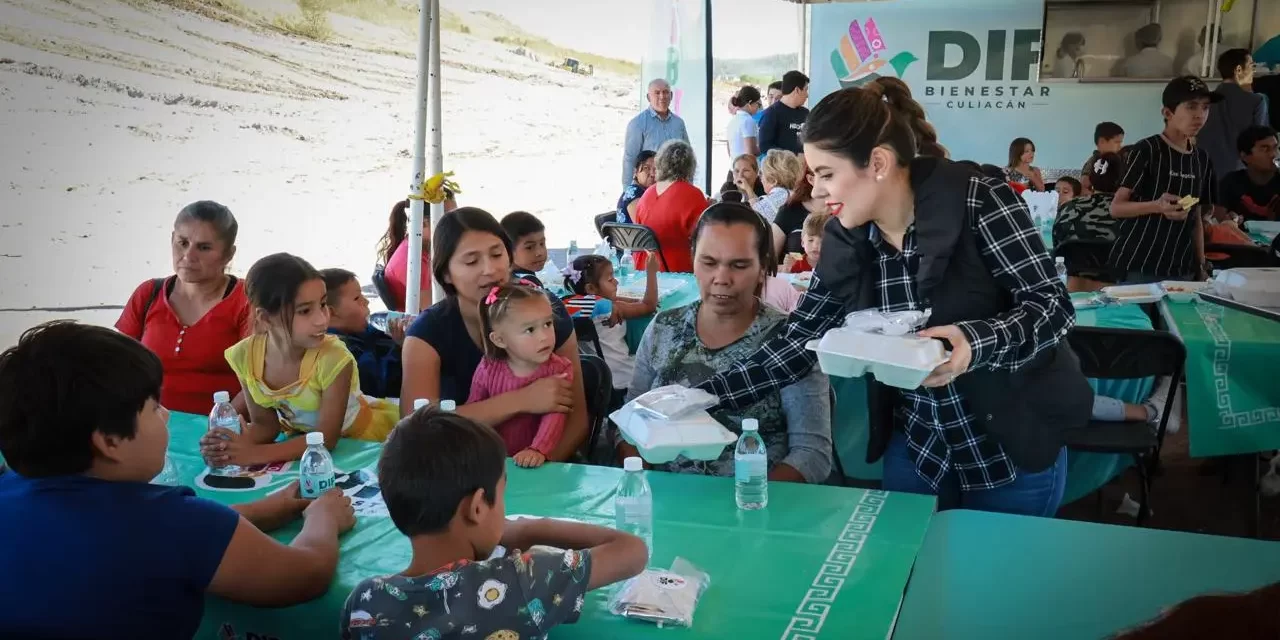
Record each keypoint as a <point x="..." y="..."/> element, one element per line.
<point x="413" y="293"/>
<point x="437" y="148"/>
<point x="1210" y="62"/>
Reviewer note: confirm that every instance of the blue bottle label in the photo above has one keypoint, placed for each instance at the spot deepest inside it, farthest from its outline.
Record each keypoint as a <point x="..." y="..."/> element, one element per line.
<point x="312" y="486"/>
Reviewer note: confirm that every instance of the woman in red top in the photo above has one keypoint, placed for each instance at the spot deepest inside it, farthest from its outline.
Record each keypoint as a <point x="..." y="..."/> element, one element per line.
<point x="191" y="318"/>
<point x="672" y="207"/>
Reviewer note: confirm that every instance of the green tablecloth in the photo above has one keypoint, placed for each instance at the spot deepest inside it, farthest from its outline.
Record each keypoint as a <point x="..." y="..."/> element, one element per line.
<point x="995" y="576"/>
<point x="1233" y="399"/>
<point x="821" y="561"/>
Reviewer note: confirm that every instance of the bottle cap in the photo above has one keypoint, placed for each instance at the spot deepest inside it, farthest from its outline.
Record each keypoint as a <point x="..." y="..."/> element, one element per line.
<point x="633" y="464"/>
<point x="448" y="405"/>
<point x="420" y="403"/>
<point x="314" y="438"/>
<point x="221" y="396"/>
<point x="750" y="424"/>
<point x="1059" y="260"/>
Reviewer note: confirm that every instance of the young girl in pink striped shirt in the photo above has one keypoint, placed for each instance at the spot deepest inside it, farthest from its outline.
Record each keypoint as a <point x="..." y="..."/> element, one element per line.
<point x="519" y="346"/>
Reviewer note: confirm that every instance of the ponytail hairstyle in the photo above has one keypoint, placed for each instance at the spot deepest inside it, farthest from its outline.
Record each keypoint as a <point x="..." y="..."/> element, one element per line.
<point x="897" y="94"/>
<point x="495" y="306"/>
<point x="583" y="271"/>
<point x="398" y="228"/>
<point x="854" y="121"/>
<point x="745" y="96"/>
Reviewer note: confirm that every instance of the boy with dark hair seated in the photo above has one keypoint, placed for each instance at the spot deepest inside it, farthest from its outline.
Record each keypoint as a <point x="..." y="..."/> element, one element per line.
<point x="443" y="478"/>
<point x="89" y="548"/>
<point x="528" y="244"/>
<point x="377" y="354"/>
<point x="1108" y="137"/>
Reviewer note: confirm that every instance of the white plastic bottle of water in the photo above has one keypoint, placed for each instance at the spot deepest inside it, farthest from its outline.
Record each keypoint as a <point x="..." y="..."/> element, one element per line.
<point x="168" y="475"/>
<point x="626" y="265"/>
<point x="383" y="319"/>
<point x="224" y="415"/>
<point x="572" y="254"/>
<point x="633" y="505"/>
<point x="316" y="468"/>
<point x="1060" y="264"/>
<point x="751" y="468"/>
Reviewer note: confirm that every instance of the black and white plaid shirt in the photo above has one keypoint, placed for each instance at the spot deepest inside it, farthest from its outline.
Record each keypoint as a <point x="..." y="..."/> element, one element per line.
<point x="937" y="422"/>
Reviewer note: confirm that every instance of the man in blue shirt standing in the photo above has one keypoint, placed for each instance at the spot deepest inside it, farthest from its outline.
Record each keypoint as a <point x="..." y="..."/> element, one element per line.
<point x="650" y="128"/>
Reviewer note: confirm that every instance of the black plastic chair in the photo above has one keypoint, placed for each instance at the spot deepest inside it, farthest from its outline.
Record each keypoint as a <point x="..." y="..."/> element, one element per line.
<point x="1087" y="259"/>
<point x="1241" y="256"/>
<point x="633" y="237"/>
<point x="597" y="382"/>
<point x="795" y="243"/>
<point x="602" y="219"/>
<point x="1112" y="354"/>
<point x="384" y="290"/>
<point x="1275" y="248"/>
<point x="588" y="337"/>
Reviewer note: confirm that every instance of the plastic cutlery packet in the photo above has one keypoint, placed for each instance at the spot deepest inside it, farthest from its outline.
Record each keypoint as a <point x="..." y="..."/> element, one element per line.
<point x="662" y="597"/>
<point x="897" y="323"/>
<point x="673" y="401"/>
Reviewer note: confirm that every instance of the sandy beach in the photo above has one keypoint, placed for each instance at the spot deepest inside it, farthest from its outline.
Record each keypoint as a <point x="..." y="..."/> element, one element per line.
<point x="116" y="113"/>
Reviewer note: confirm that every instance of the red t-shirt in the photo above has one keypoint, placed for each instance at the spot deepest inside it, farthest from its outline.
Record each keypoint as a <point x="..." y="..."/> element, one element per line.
<point x="194" y="360"/>
<point x="673" y="217"/>
<point x="801" y="266"/>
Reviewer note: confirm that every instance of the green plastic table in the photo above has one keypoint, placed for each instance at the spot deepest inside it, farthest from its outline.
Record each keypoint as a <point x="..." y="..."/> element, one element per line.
<point x="995" y="576"/>
<point x="1233" y="399"/>
<point x="819" y="562"/>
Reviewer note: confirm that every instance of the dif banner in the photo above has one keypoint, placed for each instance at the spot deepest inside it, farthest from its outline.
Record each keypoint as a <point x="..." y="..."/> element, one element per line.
<point x="677" y="52"/>
<point x="973" y="66"/>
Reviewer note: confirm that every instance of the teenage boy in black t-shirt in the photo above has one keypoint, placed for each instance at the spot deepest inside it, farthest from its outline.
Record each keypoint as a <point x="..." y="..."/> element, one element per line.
<point x="1254" y="191"/>
<point x="780" y="126"/>
<point x="1165" y="191"/>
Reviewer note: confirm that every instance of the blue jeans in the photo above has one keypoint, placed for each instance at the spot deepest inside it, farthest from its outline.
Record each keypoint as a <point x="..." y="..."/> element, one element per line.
<point x="1031" y="494"/>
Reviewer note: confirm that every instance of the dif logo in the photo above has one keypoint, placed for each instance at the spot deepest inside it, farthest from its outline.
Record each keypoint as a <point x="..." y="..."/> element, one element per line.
<point x="1018" y="54"/>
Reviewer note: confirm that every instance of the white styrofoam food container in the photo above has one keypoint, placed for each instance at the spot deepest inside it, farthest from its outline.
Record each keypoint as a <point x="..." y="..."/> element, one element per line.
<point x="898" y="361"/>
<point x="1135" y="293"/>
<point x="1258" y="287"/>
<point x="696" y="436"/>
<point x="1183" y="291"/>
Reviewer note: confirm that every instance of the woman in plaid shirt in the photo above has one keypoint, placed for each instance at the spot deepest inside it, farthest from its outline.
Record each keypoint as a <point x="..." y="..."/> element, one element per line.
<point x="984" y="430"/>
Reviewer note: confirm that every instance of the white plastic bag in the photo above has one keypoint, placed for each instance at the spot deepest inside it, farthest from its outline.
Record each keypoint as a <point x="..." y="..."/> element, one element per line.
<point x="662" y="597"/>
<point x="673" y="401"/>
<point x="896" y="323"/>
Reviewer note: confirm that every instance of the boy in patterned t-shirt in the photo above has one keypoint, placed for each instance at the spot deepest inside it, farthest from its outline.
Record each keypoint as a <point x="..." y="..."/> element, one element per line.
<point x="443" y="478"/>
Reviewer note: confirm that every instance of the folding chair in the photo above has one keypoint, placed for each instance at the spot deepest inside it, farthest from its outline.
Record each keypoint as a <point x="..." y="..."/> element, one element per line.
<point x="1240" y="256"/>
<point x="1112" y="354"/>
<point x="597" y="382"/>
<point x="585" y="329"/>
<point x="633" y="237"/>
<point x="1087" y="259"/>
<point x="608" y="216"/>
<point x="384" y="290"/>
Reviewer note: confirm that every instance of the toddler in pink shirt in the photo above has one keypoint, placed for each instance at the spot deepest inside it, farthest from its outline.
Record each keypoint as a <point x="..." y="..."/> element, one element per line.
<point x="519" y="346"/>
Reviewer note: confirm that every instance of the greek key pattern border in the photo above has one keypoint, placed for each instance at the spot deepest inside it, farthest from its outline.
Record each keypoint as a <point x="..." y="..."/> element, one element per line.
<point x="811" y="614"/>
<point x="1211" y="316"/>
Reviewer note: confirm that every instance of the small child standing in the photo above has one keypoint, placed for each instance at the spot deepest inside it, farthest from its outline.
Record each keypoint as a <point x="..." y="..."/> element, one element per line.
<point x="297" y="377"/>
<point x="519" y="346"/>
<point x="528" y="244"/>
<point x="811" y="240"/>
<point x="377" y="353"/>
<point x="443" y="478"/>
<point x="592" y="281"/>
<point x="1108" y="137"/>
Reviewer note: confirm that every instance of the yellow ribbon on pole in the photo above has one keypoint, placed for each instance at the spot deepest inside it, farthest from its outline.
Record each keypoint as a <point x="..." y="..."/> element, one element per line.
<point x="432" y="190"/>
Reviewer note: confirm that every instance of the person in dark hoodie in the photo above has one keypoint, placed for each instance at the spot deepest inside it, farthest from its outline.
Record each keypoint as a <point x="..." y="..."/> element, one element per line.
<point x="916" y="233"/>
<point x="1239" y="109"/>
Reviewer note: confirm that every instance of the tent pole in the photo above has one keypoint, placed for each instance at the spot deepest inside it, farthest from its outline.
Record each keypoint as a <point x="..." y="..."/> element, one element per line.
<point x="437" y="148"/>
<point x="711" y="97"/>
<point x="413" y="293"/>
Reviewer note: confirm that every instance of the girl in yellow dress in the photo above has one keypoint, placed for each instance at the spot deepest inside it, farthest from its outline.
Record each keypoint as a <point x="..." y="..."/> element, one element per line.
<point x="298" y="378"/>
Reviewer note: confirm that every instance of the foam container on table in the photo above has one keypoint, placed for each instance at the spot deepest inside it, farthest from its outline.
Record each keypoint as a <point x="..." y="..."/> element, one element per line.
<point x="1135" y="293"/>
<point x="696" y="436"/>
<point x="1259" y="287"/>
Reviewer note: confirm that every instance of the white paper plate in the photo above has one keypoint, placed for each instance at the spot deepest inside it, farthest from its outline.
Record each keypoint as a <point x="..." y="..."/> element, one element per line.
<point x="1135" y="293"/>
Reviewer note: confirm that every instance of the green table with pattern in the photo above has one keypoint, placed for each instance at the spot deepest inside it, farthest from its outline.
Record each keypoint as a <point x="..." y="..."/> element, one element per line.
<point x="996" y="576"/>
<point x="819" y="562"/>
<point x="1233" y="398"/>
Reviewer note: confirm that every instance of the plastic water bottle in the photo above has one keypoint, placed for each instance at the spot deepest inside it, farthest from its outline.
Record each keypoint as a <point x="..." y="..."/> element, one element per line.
<point x="168" y="475"/>
<point x="382" y="320"/>
<point x="751" y="468"/>
<point x="448" y="406"/>
<point x="316" y="468"/>
<point x="572" y="254"/>
<point x="626" y="264"/>
<point x="420" y="403"/>
<point x="1060" y="264"/>
<point x="633" y="505"/>
<point x="224" y="415"/>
